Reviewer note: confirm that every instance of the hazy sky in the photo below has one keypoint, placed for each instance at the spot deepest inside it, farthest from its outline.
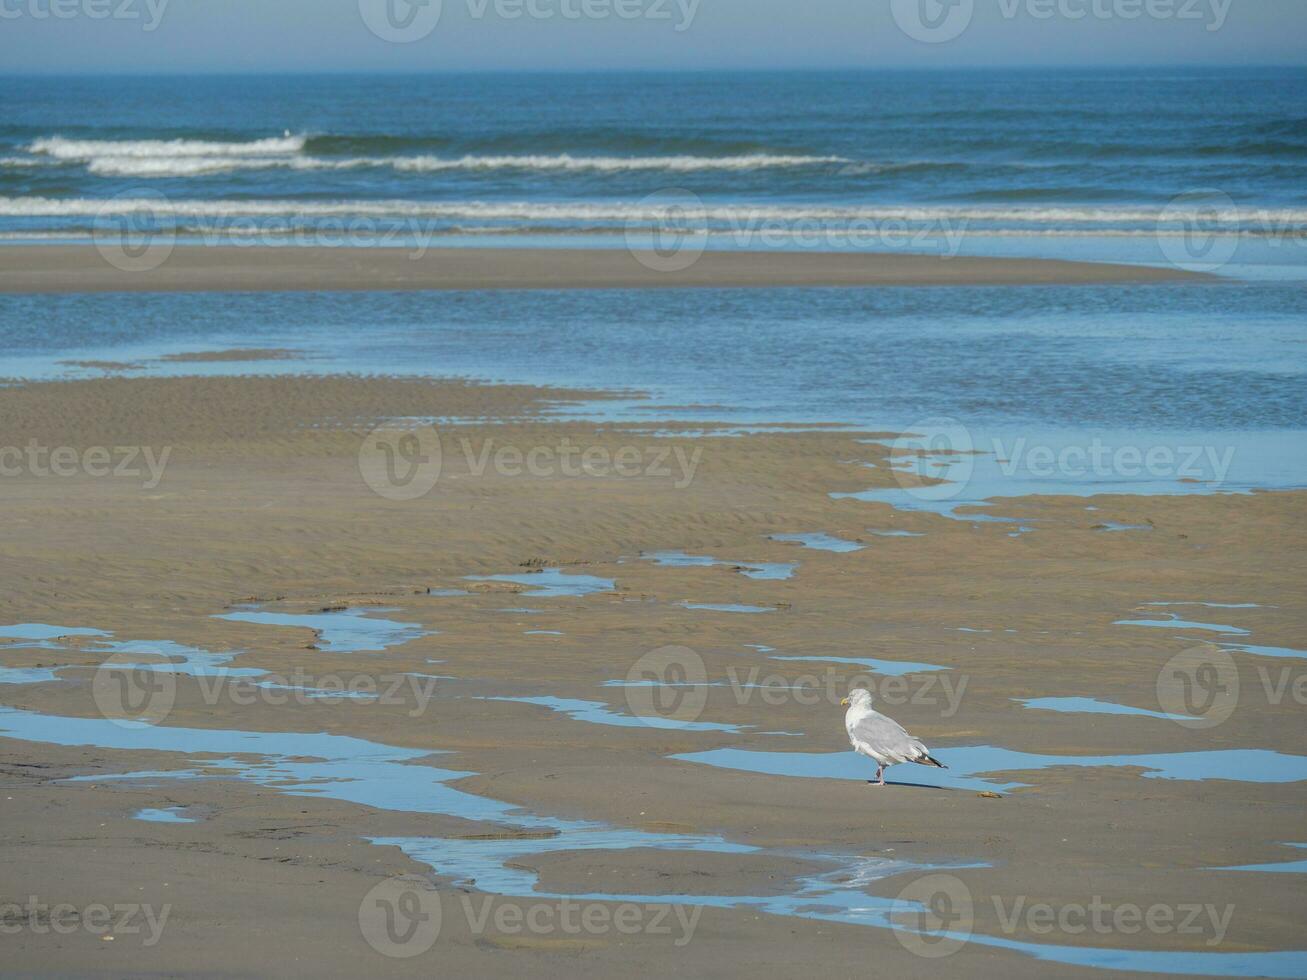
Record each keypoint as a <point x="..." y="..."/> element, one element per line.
<point x="334" y="35"/>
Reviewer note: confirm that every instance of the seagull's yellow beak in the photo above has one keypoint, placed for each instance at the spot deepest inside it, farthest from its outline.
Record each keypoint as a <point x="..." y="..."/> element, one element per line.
<point x="844" y="702"/>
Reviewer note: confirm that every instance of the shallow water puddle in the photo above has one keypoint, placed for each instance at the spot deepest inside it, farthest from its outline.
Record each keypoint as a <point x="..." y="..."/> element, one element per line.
<point x="836" y="896"/>
<point x="1211" y="605"/>
<point x="1114" y="526"/>
<point x="727" y="607"/>
<point x="44" y="631"/>
<point x="890" y="668"/>
<point x="172" y="814"/>
<point x="599" y="713"/>
<point x="393" y="778"/>
<point x="551" y="583"/>
<point x="195" y="662"/>
<point x="1282" y="867"/>
<point x="896" y="534"/>
<point x="176" y="658"/>
<point x="967" y="764"/>
<point x="820" y="542"/>
<point x="1094" y="706"/>
<point x="301" y="764"/>
<point x="1261" y="651"/>
<point x="346" y="631"/>
<point x="1175" y="622"/>
<point x="26" y="675"/>
<point x="774" y="571"/>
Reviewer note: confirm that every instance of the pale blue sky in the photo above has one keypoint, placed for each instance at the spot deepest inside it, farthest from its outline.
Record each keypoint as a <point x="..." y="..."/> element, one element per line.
<point x="331" y="35"/>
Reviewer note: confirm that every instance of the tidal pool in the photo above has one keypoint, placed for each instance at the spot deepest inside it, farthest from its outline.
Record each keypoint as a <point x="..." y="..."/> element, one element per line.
<point x="346" y="631"/>
<point x="552" y="583"/>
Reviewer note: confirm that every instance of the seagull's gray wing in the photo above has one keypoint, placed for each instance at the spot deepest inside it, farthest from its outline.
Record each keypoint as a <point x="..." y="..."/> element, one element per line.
<point x="886" y="740"/>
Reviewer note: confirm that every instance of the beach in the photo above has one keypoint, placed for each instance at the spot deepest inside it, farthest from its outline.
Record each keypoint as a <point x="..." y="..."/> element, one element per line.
<point x="262" y="507"/>
<point x="81" y="269"/>
<point x="445" y="515"/>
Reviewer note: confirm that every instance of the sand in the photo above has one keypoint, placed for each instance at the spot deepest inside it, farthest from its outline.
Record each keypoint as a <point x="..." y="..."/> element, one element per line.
<point x="262" y="500"/>
<point x="84" y="268"/>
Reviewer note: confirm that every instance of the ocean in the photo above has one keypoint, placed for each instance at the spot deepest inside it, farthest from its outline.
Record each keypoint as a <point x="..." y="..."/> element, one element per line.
<point x="771" y="157"/>
<point x="1075" y="164"/>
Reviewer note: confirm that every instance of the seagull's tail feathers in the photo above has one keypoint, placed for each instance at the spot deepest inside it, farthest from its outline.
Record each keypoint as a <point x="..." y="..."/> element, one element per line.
<point x="927" y="760"/>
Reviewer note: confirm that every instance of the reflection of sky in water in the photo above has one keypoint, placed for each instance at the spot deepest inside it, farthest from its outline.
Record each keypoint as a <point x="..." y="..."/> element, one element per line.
<point x="552" y="583"/>
<point x="765" y="570"/>
<point x="969" y="764"/>
<point x="171" y="814"/>
<point x="1263" y="651"/>
<point x="346" y="631"/>
<point x="599" y="713"/>
<point x="1095" y="707"/>
<point x="983" y="466"/>
<point x="728" y="607"/>
<point x="1175" y="622"/>
<point x="890" y="668"/>
<point x="820" y="542"/>
<point x="44" y="631"/>
<point x="391" y="778"/>
<point x="1282" y="867"/>
<point x="1139" y="366"/>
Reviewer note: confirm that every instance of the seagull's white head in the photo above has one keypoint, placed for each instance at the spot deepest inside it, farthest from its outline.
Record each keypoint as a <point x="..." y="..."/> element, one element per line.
<point x="859" y="697"/>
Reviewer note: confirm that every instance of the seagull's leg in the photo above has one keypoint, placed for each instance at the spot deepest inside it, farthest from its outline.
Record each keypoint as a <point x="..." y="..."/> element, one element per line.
<point x="880" y="777"/>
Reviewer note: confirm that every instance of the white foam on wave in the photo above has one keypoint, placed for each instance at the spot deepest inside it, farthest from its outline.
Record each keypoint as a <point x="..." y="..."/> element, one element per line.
<point x="109" y="166"/>
<point x="736" y="215"/>
<point x="84" y="150"/>
<point x="566" y="161"/>
<point x="196" y="158"/>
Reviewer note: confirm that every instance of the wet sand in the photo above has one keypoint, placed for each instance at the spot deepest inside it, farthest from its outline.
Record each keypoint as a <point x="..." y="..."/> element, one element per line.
<point x="262" y="501"/>
<point x="85" y="268"/>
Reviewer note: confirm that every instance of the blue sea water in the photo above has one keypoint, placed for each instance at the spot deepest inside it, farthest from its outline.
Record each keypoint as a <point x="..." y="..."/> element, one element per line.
<point x="1029" y="152"/>
<point x="1058" y="389"/>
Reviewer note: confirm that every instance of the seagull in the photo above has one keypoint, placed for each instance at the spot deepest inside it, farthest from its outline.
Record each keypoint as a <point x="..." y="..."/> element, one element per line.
<point x="882" y="739"/>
